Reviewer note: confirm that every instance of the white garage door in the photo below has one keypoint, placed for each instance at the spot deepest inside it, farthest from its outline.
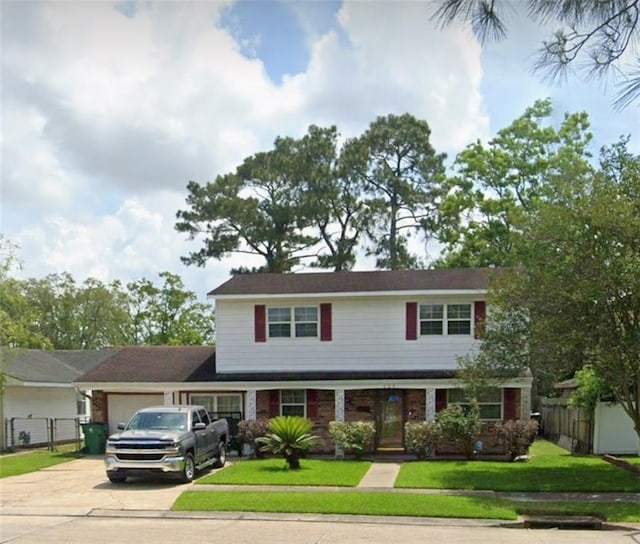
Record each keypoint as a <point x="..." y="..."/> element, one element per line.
<point x="122" y="407"/>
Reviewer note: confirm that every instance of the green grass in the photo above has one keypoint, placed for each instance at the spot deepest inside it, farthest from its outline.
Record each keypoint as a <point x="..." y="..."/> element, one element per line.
<point x="613" y="512"/>
<point x="376" y="504"/>
<point x="275" y="472"/>
<point x="23" y="463"/>
<point x="550" y="469"/>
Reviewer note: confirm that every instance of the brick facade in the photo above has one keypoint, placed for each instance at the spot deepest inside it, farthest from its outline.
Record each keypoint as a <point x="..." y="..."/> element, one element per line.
<point x="360" y="405"/>
<point x="99" y="407"/>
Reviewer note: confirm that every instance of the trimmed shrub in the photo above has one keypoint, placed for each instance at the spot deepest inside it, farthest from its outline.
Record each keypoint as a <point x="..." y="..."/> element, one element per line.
<point x="289" y="436"/>
<point x="516" y="435"/>
<point x="461" y="426"/>
<point x="354" y="437"/>
<point x="423" y="438"/>
<point x="250" y="430"/>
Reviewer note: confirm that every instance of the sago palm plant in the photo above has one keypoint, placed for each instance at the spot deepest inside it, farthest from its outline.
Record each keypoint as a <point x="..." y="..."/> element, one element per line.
<point x="289" y="436"/>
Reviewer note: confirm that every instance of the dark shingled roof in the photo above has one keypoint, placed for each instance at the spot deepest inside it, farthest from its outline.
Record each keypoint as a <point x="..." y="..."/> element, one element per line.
<point x="155" y="364"/>
<point x="355" y="282"/>
<point x="52" y="366"/>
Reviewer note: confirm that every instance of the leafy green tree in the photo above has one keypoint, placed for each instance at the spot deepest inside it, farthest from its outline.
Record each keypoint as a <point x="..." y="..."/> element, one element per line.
<point x="497" y="187"/>
<point x="598" y="32"/>
<point x="334" y="198"/>
<point x="167" y="314"/>
<point x="580" y="283"/>
<point x="72" y="316"/>
<point x="591" y="388"/>
<point x="18" y="321"/>
<point x="402" y="177"/>
<point x="257" y="210"/>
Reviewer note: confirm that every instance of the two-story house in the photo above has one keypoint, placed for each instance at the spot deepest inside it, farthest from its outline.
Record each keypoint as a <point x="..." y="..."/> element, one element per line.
<point x="343" y="346"/>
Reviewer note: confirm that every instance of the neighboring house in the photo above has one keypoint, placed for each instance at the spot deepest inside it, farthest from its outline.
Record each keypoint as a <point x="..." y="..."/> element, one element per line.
<point x="609" y="431"/>
<point x="39" y="393"/>
<point x="345" y="346"/>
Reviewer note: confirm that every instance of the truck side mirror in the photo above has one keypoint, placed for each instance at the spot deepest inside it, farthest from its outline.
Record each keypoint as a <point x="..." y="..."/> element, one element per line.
<point x="121" y="426"/>
<point x="199" y="427"/>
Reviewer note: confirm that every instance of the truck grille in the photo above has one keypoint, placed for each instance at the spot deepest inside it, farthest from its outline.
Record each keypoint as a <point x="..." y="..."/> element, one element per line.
<point x="155" y="445"/>
<point x="140" y="456"/>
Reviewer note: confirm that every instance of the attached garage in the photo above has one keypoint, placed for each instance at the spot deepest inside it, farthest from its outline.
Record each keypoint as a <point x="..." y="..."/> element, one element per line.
<point x="122" y="406"/>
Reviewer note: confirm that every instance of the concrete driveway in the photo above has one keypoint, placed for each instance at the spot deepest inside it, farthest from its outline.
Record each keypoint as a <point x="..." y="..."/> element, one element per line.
<point x="80" y="486"/>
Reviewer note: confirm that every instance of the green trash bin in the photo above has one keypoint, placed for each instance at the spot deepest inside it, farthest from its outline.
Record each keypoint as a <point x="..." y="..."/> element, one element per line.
<point x="95" y="437"/>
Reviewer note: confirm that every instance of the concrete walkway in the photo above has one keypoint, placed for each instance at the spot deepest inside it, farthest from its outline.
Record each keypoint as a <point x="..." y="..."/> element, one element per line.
<point x="380" y="475"/>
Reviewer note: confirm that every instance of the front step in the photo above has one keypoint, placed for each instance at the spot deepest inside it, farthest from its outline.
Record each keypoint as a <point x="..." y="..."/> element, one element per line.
<point x="562" y="522"/>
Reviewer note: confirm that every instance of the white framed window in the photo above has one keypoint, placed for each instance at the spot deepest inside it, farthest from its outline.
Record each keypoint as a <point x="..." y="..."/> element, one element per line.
<point x="221" y="402"/>
<point x="440" y="319"/>
<point x="458" y="319"/>
<point x="279" y="322"/>
<point x="431" y="319"/>
<point x="293" y="402"/>
<point x="489" y="401"/>
<point x="306" y="319"/>
<point x="300" y="321"/>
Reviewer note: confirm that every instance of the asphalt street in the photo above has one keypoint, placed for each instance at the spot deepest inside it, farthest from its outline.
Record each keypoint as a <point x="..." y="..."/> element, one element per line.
<point x="74" y="503"/>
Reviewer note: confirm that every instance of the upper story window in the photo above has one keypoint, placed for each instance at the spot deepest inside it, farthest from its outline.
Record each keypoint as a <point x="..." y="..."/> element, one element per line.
<point x="436" y="318"/>
<point x="279" y="322"/>
<point x="301" y="321"/>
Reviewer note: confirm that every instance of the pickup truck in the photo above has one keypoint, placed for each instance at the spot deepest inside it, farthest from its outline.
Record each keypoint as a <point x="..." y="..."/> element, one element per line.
<point x="177" y="440"/>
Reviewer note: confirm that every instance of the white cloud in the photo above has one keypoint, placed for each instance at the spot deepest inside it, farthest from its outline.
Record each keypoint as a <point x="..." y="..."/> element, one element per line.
<point x="108" y="117"/>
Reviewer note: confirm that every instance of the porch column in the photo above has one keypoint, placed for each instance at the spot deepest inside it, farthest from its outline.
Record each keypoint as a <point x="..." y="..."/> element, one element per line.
<point x="339" y="415"/>
<point x="168" y="398"/>
<point x="339" y="396"/>
<point x="250" y="408"/>
<point x="430" y="408"/>
<point x="525" y="402"/>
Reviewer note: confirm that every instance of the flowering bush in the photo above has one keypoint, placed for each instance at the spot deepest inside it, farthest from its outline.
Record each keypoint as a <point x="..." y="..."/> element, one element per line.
<point x="423" y="438"/>
<point x="250" y="430"/>
<point x="353" y="437"/>
<point x="517" y="435"/>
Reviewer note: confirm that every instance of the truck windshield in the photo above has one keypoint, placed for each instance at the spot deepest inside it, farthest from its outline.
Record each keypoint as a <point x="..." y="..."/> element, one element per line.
<point x="158" y="421"/>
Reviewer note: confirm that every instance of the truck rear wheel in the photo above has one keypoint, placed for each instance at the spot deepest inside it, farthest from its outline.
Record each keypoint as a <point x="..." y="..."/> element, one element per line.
<point x="222" y="455"/>
<point x="189" y="471"/>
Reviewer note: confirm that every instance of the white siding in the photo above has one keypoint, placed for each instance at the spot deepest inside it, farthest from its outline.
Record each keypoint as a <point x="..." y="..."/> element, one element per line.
<point x="613" y="431"/>
<point x="36" y="403"/>
<point x="367" y="334"/>
<point x="122" y="407"/>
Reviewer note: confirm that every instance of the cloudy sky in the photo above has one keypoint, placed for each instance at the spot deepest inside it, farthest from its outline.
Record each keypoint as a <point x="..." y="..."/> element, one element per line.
<point x="109" y="109"/>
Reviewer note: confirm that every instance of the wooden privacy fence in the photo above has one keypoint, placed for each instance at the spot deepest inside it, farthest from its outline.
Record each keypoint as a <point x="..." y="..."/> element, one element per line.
<point x="26" y="432"/>
<point x="559" y="420"/>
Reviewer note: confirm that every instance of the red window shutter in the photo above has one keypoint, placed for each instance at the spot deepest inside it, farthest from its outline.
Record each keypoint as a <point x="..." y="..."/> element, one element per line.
<point x="274" y="403"/>
<point x="441" y="399"/>
<point x="510" y="403"/>
<point x="260" y="323"/>
<point x="480" y="312"/>
<point x="412" y="321"/>
<point x="312" y="404"/>
<point x="325" y="322"/>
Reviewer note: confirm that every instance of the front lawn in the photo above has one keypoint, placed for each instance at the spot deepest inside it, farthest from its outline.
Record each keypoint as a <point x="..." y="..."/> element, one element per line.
<point x="22" y="463"/>
<point x="373" y="504"/>
<point x="550" y="469"/>
<point x="274" y="471"/>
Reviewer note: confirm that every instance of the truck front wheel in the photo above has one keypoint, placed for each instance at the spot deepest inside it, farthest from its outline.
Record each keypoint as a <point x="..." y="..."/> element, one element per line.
<point x="222" y="455"/>
<point x="117" y="477"/>
<point x="189" y="471"/>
